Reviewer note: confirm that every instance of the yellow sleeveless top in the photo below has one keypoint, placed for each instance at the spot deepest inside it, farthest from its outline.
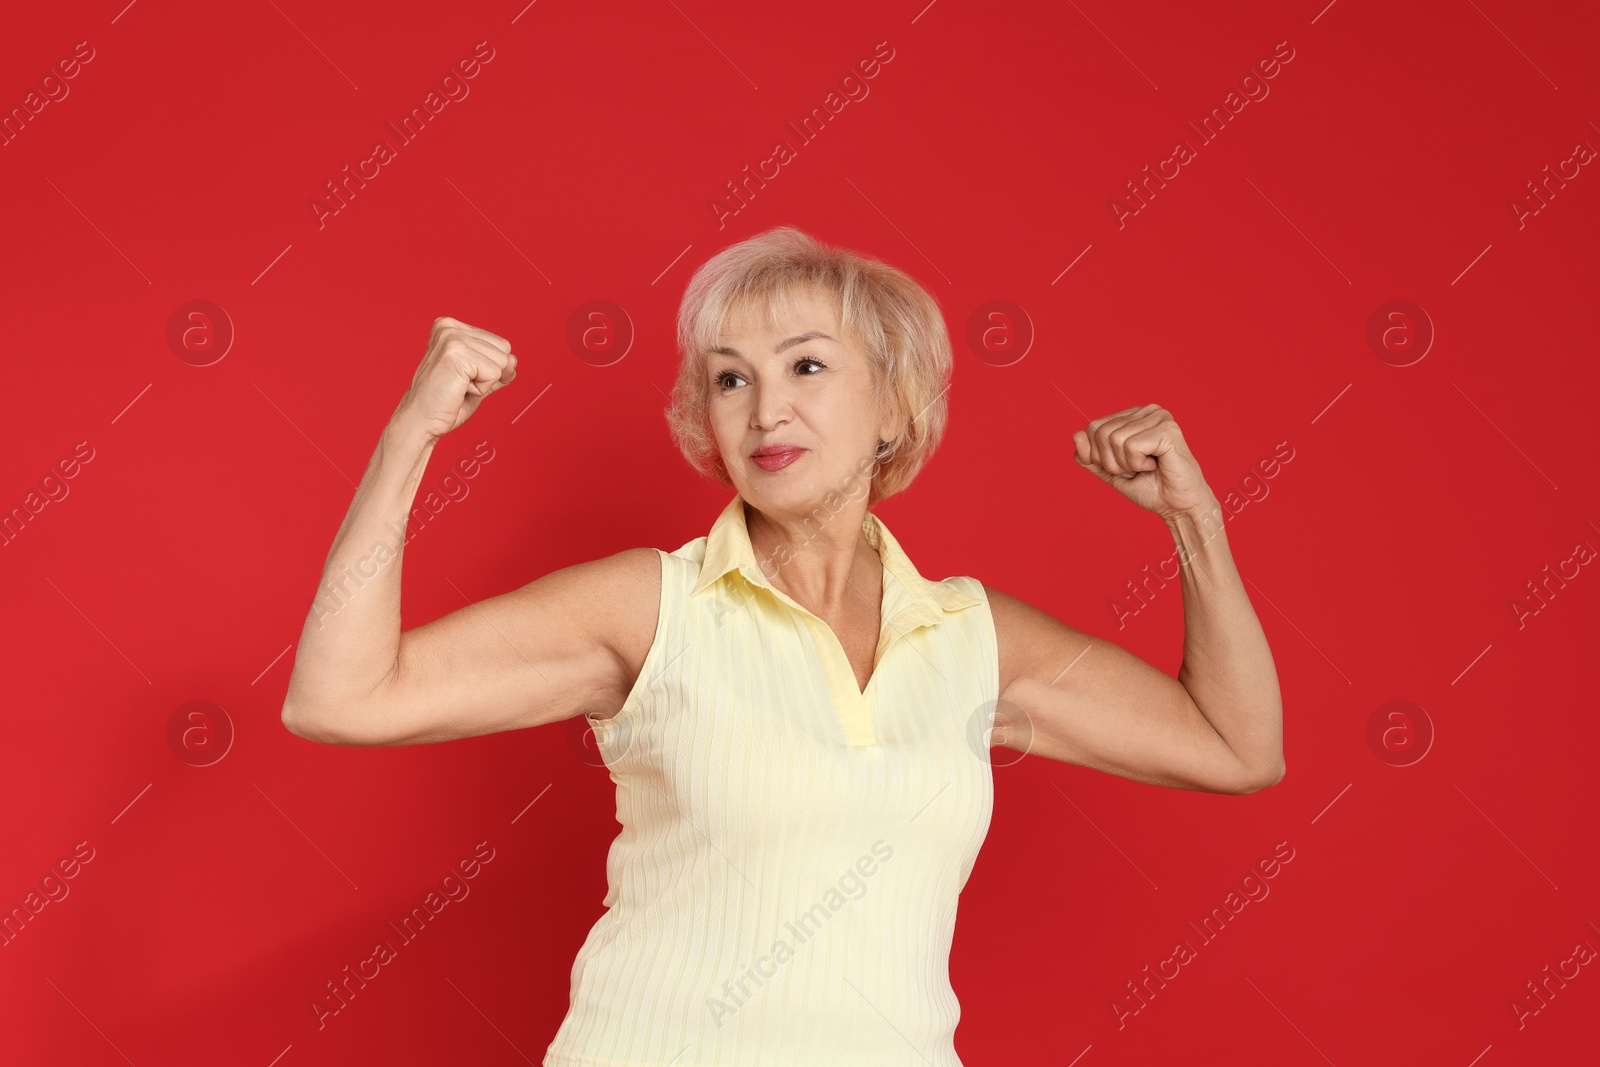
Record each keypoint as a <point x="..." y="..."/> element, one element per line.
<point x="783" y="889"/>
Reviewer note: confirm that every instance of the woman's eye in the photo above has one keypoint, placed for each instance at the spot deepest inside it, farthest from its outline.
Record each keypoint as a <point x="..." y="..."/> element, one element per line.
<point x="723" y="380"/>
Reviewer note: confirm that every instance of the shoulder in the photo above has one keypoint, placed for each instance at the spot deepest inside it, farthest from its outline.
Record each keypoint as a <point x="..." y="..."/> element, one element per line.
<point x="1006" y="605"/>
<point x="618" y="577"/>
<point x="1027" y="634"/>
<point x="616" y="597"/>
<point x="634" y="576"/>
<point x="1026" y="625"/>
<point x="632" y="579"/>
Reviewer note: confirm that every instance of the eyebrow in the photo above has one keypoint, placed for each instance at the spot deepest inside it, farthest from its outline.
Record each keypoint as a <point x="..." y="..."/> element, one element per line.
<point x="800" y="338"/>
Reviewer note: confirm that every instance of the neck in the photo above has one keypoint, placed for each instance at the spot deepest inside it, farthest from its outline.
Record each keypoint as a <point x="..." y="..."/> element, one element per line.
<point x="826" y="565"/>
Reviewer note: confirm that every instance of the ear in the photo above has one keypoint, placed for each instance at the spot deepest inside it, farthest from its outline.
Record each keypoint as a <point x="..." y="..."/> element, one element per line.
<point x="888" y="426"/>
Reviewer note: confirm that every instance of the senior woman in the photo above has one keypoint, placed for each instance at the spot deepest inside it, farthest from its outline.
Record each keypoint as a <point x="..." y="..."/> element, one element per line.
<point x="798" y="723"/>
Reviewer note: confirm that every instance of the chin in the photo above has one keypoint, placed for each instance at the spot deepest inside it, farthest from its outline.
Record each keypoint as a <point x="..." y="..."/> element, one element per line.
<point x="780" y="491"/>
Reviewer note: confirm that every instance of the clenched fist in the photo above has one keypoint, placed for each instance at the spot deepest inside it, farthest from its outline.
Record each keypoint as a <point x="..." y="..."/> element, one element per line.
<point x="1141" y="453"/>
<point x="463" y="365"/>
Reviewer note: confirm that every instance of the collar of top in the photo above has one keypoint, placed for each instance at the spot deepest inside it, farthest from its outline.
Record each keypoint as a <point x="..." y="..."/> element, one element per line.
<point x="924" y="602"/>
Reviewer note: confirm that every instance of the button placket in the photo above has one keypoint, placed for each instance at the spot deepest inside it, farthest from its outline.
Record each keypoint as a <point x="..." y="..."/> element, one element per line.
<point x="849" y="703"/>
<point x="853" y="707"/>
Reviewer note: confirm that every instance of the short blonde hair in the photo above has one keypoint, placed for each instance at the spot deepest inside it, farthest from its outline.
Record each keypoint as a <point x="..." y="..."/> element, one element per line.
<point x="895" y="320"/>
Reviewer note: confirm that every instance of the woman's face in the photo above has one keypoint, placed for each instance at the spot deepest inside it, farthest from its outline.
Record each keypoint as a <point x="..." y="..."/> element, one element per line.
<point x="802" y="384"/>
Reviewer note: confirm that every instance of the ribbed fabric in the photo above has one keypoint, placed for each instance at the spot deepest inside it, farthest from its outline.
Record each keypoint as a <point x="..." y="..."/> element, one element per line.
<point x="783" y="890"/>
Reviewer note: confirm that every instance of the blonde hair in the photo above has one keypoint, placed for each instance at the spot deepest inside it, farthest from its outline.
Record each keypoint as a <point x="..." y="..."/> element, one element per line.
<point x="895" y="320"/>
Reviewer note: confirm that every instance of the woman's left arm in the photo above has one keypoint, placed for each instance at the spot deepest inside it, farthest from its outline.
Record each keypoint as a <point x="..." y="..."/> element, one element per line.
<point x="1227" y="667"/>
<point x="1066" y="695"/>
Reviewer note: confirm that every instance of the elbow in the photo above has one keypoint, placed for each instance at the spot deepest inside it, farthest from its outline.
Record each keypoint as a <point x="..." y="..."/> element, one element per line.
<point x="298" y="724"/>
<point x="1266" y="780"/>
<point x="355" y="726"/>
<point x="311" y="727"/>
<point x="327" y="717"/>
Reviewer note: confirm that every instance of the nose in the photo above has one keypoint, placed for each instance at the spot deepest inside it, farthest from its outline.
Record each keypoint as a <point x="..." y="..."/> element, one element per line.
<point x="772" y="405"/>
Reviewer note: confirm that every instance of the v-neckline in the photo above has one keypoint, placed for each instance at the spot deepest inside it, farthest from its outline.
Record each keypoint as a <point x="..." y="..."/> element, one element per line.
<point x="877" y="646"/>
<point x="853" y="704"/>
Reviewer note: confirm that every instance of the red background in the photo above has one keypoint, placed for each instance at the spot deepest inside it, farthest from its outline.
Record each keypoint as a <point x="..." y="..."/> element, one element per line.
<point x="1384" y="560"/>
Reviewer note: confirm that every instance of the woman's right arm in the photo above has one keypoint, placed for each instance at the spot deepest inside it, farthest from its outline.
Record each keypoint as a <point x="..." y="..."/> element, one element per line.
<point x="569" y="642"/>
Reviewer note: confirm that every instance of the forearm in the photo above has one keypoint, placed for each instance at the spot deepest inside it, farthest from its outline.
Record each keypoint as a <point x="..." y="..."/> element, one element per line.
<point x="351" y="639"/>
<point x="1227" y="665"/>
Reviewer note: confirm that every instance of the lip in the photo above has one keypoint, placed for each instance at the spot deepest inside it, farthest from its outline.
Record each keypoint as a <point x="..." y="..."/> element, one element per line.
<point x="776" y="457"/>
